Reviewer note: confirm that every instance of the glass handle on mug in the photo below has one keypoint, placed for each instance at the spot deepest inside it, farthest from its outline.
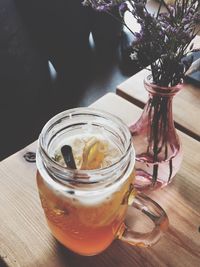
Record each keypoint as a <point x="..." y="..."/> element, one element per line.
<point x="153" y="211"/>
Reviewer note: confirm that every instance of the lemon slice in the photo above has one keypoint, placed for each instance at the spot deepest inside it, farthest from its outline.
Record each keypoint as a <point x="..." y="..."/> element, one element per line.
<point x="93" y="154"/>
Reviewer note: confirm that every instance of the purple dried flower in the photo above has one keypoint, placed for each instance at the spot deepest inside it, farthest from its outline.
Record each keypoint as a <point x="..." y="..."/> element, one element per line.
<point x="99" y="5"/>
<point x="104" y="8"/>
<point x="123" y="8"/>
<point x="138" y="35"/>
<point x="165" y="36"/>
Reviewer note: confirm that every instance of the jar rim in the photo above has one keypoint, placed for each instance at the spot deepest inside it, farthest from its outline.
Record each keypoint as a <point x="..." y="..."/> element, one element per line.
<point x="78" y="176"/>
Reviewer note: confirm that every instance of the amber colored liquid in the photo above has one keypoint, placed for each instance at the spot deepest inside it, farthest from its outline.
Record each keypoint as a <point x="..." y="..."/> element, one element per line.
<point x="85" y="229"/>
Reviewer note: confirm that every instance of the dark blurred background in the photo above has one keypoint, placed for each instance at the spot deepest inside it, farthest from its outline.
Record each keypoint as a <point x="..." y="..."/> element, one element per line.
<point x="54" y="55"/>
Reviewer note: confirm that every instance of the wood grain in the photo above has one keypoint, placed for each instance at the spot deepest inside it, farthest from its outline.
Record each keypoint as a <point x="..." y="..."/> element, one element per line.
<point x="185" y="106"/>
<point x="25" y="240"/>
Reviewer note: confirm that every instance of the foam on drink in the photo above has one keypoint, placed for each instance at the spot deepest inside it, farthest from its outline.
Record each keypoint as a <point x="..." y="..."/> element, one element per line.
<point x="90" y="152"/>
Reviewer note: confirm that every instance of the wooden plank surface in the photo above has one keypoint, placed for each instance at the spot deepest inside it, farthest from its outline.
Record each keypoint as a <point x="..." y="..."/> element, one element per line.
<point x="25" y="240"/>
<point x="186" y="104"/>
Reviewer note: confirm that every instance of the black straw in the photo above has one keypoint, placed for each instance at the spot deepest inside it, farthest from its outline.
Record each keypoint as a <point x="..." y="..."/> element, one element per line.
<point x="68" y="156"/>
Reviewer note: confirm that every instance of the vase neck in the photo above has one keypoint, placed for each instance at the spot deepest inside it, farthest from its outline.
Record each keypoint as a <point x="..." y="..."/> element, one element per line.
<point x="161" y="91"/>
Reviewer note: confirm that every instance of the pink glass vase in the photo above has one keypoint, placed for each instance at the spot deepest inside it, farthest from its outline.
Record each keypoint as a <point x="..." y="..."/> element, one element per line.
<point x="157" y="145"/>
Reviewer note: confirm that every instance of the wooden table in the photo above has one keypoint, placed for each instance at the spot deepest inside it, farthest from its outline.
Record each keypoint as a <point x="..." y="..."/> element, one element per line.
<point x="25" y="240"/>
<point x="185" y="106"/>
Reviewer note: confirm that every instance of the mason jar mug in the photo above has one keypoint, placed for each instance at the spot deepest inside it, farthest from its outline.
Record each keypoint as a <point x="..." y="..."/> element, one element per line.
<point x="86" y="205"/>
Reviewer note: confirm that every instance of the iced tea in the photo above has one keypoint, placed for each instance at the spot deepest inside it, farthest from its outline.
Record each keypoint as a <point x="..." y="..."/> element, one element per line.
<point x="86" y="223"/>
